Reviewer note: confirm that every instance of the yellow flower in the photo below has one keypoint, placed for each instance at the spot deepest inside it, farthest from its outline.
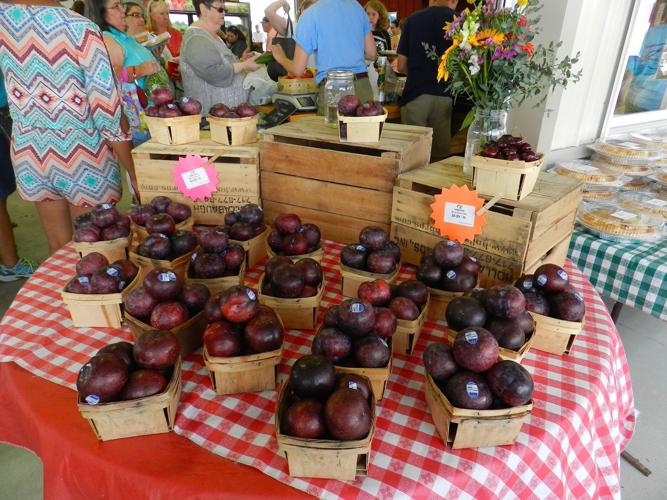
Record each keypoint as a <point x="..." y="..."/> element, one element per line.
<point x="442" y="68"/>
<point x="485" y="35"/>
<point x="522" y="3"/>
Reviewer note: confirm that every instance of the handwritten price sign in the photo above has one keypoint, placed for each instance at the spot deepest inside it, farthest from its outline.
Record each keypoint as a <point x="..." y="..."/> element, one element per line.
<point x="195" y="177"/>
<point x="455" y="213"/>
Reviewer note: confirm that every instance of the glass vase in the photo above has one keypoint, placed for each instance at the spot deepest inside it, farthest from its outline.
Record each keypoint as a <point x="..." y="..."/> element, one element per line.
<point x="488" y="125"/>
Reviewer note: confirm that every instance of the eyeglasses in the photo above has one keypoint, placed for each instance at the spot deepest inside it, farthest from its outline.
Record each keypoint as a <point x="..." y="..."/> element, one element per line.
<point x="220" y="10"/>
<point x="138" y="15"/>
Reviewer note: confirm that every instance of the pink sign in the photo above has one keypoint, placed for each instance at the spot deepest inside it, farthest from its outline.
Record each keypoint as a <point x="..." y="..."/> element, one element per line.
<point x="195" y="177"/>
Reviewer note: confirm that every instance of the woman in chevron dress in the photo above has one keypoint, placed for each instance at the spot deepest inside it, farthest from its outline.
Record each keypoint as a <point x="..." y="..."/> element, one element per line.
<point x="67" y="137"/>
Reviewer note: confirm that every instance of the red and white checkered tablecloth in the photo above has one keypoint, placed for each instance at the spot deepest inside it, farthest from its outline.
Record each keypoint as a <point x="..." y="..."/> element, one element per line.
<point x="583" y="413"/>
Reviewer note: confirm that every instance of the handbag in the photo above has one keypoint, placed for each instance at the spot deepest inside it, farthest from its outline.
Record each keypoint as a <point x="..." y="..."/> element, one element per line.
<point x="134" y="102"/>
<point x="288" y="44"/>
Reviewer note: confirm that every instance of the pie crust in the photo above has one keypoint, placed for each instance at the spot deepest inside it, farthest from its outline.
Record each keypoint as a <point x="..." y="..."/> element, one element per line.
<point x="598" y="177"/>
<point x="601" y="219"/>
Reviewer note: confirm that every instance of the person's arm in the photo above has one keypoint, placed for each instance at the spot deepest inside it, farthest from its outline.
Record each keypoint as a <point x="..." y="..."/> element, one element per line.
<point x="104" y="100"/>
<point x="403" y="51"/>
<point x="296" y="65"/>
<point x="402" y="64"/>
<point x="370" y="49"/>
<point x="276" y="21"/>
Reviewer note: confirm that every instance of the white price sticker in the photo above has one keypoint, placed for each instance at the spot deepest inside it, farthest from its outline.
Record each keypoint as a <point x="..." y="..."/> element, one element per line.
<point x="623" y="215"/>
<point x="461" y="215"/>
<point x="657" y="202"/>
<point x="195" y="178"/>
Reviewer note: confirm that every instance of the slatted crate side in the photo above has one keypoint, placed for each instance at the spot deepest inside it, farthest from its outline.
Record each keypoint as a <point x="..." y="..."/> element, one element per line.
<point x="332" y="226"/>
<point x="326" y="196"/>
<point x="373" y="172"/>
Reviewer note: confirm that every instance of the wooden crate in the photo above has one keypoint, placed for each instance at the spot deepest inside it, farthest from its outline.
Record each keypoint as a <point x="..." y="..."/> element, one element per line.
<point x="233" y="131"/>
<point x="146" y="265"/>
<point x="377" y="376"/>
<point x="216" y="285"/>
<point x="462" y="428"/>
<point x="298" y="314"/>
<point x="138" y="417"/>
<point x="237" y="374"/>
<point x="97" y="310"/>
<point x="113" y="250"/>
<point x="323" y="458"/>
<point x="141" y="234"/>
<point x="189" y="334"/>
<point x="511" y="180"/>
<point x="237" y="168"/>
<point x="555" y="335"/>
<point x="174" y="131"/>
<point x="255" y="248"/>
<point x="503" y="353"/>
<point x="341" y="187"/>
<point x="295" y="86"/>
<point x="361" y="128"/>
<point x="315" y="254"/>
<point x="519" y="235"/>
<point x="407" y="332"/>
<point x="351" y="279"/>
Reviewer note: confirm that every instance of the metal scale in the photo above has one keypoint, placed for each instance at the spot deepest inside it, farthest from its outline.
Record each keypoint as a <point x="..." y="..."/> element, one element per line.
<point x="302" y="102"/>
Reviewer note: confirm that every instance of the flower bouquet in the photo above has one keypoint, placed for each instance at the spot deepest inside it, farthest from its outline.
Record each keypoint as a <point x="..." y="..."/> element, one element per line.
<point x="492" y="60"/>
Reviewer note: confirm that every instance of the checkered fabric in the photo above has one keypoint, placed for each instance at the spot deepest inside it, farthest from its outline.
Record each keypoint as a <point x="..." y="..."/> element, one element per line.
<point x="632" y="273"/>
<point x="582" y="419"/>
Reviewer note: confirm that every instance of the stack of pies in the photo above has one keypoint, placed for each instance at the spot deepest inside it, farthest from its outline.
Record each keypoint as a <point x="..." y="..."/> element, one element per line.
<point x="626" y="151"/>
<point x="620" y="224"/>
<point x="635" y="169"/>
<point x="636" y="184"/>
<point x="599" y="184"/>
<point x="645" y="202"/>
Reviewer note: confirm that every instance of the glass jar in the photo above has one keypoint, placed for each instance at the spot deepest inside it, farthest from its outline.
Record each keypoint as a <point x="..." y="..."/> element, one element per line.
<point x="488" y="125"/>
<point x="339" y="83"/>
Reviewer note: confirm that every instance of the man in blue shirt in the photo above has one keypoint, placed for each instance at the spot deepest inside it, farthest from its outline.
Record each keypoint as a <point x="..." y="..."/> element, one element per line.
<point x="423" y="101"/>
<point x="339" y="32"/>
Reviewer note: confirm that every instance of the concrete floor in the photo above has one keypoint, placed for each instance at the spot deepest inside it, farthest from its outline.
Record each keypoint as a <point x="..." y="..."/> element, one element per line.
<point x="644" y="337"/>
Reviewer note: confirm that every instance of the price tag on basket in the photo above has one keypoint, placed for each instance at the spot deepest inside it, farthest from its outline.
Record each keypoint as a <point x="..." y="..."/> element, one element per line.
<point x="196" y="177"/>
<point x="459" y="214"/>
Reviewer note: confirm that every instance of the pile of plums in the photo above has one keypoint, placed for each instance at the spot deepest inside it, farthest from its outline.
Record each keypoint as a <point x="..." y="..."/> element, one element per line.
<point x="164" y="301"/>
<point x="218" y="257"/>
<point x="243" y="110"/>
<point x="374" y="252"/>
<point x="320" y="405"/>
<point x="406" y="300"/>
<point x="288" y="280"/>
<point x="548" y="292"/>
<point x="102" y="223"/>
<point x="122" y="371"/>
<point x="289" y="237"/>
<point x="499" y="311"/>
<point x="470" y="376"/>
<point x="355" y="334"/>
<point x="510" y="148"/>
<point x="159" y="218"/>
<point x="240" y="325"/>
<point x="350" y="105"/>
<point x="164" y="105"/>
<point x="448" y="268"/>
<point x="94" y="275"/>
<point x="245" y="223"/>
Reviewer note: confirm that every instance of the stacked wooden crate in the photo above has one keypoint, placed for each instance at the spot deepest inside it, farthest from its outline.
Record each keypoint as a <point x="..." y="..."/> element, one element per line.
<point x="518" y="237"/>
<point x="237" y="168"/>
<point x="341" y="187"/>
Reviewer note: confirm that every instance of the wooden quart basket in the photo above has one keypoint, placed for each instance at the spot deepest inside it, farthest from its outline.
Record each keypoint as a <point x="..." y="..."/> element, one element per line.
<point x="351" y="279"/>
<point x="189" y="334"/>
<point x="503" y="353"/>
<point x="512" y="180"/>
<point x="361" y="128"/>
<point x="323" y="458"/>
<point x="142" y="234"/>
<point x="102" y="310"/>
<point x="174" y="131"/>
<point x="233" y="131"/>
<point x="255" y="248"/>
<point x="216" y="285"/>
<point x="462" y="428"/>
<point x="377" y="376"/>
<point x="146" y="265"/>
<point x="407" y="332"/>
<point x="555" y="335"/>
<point x="315" y="254"/>
<point x="138" y="417"/>
<point x="113" y="250"/>
<point x="237" y="374"/>
<point x="298" y="314"/>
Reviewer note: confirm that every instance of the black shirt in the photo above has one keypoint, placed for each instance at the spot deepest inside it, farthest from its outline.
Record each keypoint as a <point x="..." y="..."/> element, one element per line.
<point x="382" y="40"/>
<point x="424" y="26"/>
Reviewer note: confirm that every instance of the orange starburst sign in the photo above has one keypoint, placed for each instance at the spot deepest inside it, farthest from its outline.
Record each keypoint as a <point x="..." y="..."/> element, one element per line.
<point x="454" y="213"/>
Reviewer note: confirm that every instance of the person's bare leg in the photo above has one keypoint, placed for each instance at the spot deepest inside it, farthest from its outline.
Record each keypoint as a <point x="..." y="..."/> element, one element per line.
<point x="55" y="217"/>
<point x="8" y="255"/>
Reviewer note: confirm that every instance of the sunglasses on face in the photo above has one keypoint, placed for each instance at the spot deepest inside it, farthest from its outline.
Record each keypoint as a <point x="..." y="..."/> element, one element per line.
<point x="220" y="10"/>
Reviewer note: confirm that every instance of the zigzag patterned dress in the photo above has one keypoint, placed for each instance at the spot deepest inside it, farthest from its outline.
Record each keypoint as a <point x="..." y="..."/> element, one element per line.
<point x="64" y="103"/>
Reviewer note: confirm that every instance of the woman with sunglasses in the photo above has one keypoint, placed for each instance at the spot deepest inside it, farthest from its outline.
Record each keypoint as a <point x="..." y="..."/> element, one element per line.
<point x="211" y="73"/>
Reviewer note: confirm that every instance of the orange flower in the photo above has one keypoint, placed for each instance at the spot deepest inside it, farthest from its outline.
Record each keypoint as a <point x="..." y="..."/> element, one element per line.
<point x="443" y="74"/>
<point x="527" y="48"/>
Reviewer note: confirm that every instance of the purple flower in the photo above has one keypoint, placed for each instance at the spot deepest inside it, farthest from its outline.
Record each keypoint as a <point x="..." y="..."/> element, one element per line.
<point x="455" y="24"/>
